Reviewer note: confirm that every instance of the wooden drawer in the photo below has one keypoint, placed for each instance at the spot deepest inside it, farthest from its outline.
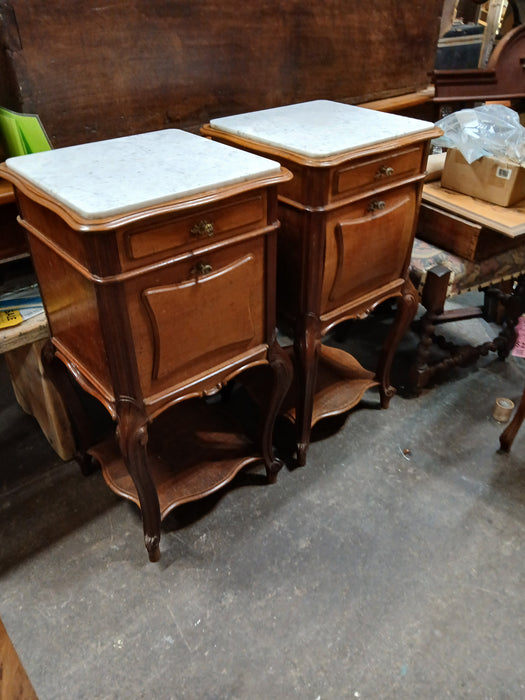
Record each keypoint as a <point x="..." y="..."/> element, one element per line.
<point x="367" y="246"/>
<point x="454" y="234"/>
<point x="174" y="234"/>
<point x="377" y="172"/>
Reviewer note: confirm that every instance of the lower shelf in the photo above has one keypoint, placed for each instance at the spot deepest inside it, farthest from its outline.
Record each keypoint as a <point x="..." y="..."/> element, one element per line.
<point x="194" y="449"/>
<point x="341" y="384"/>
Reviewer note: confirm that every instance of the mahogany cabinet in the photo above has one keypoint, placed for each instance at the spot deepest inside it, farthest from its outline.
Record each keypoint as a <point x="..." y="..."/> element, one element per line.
<point x="155" y="255"/>
<point x="347" y="225"/>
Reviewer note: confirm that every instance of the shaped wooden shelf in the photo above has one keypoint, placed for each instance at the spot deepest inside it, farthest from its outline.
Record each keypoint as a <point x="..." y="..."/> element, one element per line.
<point x="194" y="449"/>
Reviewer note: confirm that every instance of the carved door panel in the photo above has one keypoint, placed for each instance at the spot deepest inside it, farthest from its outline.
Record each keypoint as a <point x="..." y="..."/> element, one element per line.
<point x="199" y="314"/>
<point x="367" y="245"/>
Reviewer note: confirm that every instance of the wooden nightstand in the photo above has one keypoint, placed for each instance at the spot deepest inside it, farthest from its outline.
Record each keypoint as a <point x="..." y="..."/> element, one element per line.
<point x="155" y="256"/>
<point x="348" y="219"/>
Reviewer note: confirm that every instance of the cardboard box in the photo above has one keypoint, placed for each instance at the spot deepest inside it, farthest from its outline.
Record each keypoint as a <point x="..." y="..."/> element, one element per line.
<point x="488" y="178"/>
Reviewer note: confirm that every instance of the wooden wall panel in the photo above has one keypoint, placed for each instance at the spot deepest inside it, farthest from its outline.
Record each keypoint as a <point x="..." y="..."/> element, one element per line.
<point x="99" y="69"/>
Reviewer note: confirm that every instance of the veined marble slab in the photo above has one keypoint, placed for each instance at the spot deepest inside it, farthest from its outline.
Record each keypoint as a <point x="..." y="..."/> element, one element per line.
<point x="105" y="178"/>
<point x="320" y="128"/>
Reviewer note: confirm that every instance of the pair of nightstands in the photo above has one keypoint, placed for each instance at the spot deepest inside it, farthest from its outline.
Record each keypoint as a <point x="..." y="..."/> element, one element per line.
<point x="156" y="255"/>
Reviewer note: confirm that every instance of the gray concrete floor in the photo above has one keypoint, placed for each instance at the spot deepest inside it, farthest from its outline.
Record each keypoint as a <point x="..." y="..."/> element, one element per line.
<point x="370" y="573"/>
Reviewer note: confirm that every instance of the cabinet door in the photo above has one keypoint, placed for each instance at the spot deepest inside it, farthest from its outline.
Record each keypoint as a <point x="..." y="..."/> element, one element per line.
<point x="199" y="315"/>
<point x="366" y="247"/>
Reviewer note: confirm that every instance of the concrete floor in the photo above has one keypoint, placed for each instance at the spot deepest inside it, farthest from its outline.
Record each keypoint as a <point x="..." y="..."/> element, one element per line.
<point x="370" y="573"/>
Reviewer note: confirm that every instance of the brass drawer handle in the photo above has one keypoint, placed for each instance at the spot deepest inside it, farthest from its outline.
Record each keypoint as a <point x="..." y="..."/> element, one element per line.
<point x="201" y="269"/>
<point x="202" y="229"/>
<point x="376" y="205"/>
<point x="384" y="171"/>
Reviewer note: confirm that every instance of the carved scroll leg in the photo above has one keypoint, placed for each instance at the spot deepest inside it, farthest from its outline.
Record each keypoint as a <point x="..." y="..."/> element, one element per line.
<point x="281" y="366"/>
<point x="406" y="310"/>
<point x="132" y="433"/>
<point x="433" y="299"/>
<point x="507" y="436"/>
<point x="307" y="340"/>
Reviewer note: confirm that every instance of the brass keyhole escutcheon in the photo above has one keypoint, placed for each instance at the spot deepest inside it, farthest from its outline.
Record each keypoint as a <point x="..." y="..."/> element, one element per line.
<point x="376" y="205"/>
<point x="201" y="269"/>
<point x="384" y="171"/>
<point x="202" y="229"/>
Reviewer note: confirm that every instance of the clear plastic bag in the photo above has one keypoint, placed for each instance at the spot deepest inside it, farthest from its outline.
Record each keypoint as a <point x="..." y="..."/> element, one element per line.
<point x="490" y="130"/>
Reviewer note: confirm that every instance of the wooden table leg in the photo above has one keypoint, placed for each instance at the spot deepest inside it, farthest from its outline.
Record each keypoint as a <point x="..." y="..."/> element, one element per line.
<point x="132" y="433"/>
<point x="307" y="340"/>
<point x="281" y="366"/>
<point x="507" y="436"/>
<point x="407" y="305"/>
<point x="433" y="300"/>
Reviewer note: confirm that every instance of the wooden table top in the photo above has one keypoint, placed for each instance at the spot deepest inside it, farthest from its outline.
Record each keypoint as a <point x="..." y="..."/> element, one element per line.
<point x="510" y="221"/>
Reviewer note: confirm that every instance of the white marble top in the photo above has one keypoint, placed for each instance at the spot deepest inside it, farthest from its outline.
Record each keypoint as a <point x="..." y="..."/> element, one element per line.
<point x="105" y="178"/>
<point x="321" y="128"/>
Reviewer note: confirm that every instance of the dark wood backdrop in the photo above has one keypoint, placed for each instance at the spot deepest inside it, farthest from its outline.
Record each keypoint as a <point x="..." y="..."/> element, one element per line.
<point x="100" y="69"/>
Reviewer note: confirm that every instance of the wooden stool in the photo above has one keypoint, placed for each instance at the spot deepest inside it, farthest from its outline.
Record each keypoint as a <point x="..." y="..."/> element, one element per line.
<point x="437" y="275"/>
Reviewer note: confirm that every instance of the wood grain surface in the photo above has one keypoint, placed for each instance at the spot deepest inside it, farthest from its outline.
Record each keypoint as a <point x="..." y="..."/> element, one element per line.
<point x="99" y="70"/>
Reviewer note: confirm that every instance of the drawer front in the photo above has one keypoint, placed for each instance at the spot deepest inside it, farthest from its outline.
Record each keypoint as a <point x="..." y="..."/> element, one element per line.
<point x="447" y="231"/>
<point x="385" y="169"/>
<point x="175" y="234"/>
<point x="367" y="245"/>
<point x="198" y="314"/>
<point x="459" y="236"/>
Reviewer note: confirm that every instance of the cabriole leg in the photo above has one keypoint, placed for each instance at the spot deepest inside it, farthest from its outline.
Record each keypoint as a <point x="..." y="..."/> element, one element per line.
<point x="407" y="305"/>
<point x="132" y="433"/>
<point x="282" y="369"/>
<point x="306" y="345"/>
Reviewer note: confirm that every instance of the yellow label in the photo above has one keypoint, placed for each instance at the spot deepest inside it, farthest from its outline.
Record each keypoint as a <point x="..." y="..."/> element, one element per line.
<point x="10" y="318"/>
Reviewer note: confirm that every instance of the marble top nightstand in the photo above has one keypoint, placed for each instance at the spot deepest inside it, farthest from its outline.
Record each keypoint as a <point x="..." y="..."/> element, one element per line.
<point x="321" y="128"/>
<point x="105" y="178"/>
<point x="347" y="226"/>
<point x="155" y="256"/>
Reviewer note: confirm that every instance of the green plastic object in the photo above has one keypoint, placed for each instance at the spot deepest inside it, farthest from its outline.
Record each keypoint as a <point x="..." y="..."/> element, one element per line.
<point x="22" y="133"/>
